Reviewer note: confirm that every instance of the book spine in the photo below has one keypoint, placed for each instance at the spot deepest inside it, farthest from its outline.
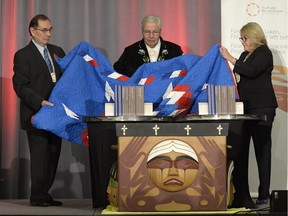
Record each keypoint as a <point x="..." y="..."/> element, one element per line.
<point x="139" y="100"/>
<point x="231" y="100"/>
<point x="211" y="99"/>
<point x="125" y="100"/>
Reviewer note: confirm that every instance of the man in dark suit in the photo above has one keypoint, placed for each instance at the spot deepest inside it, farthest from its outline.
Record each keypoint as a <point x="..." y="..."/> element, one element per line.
<point x="33" y="80"/>
<point x="150" y="49"/>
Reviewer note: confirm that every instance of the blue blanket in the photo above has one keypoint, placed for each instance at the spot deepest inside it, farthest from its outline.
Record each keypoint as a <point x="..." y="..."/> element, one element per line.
<point x="174" y="87"/>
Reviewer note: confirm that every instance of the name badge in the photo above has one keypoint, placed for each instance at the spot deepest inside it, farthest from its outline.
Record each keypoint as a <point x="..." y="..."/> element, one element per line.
<point x="53" y="76"/>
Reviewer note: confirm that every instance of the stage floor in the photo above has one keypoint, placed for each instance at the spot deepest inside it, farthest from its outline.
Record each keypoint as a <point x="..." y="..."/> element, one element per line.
<point x="83" y="207"/>
<point x="70" y="207"/>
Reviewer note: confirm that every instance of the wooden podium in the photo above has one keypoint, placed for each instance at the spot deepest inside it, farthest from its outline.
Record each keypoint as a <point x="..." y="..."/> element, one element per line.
<point x="172" y="166"/>
<point x="199" y="153"/>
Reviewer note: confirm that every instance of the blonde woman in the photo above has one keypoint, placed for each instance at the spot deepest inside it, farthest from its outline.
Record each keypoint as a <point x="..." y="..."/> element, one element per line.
<point x="252" y="72"/>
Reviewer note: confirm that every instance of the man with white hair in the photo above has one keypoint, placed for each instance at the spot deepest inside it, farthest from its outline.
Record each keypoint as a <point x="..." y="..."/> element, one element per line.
<point x="150" y="49"/>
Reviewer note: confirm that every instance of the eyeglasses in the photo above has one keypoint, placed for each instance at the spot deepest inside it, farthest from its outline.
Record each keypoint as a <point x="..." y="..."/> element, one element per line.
<point x="151" y="32"/>
<point x="45" y="30"/>
<point x="243" y="38"/>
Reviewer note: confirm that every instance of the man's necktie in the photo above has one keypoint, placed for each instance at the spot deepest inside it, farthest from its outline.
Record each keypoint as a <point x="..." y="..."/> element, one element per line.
<point x="48" y="62"/>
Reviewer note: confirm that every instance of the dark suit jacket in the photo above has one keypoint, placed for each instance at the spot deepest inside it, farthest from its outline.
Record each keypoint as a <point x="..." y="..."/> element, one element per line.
<point x="136" y="54"/>
<point x="32" y="80"/>
<point x="255" y="86"/>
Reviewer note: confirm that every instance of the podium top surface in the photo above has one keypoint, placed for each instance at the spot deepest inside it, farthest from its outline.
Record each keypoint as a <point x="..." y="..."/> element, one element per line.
<point x="192" y="118"/>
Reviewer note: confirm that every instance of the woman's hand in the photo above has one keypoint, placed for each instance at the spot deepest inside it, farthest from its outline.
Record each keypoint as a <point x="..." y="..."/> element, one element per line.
<point x="225" y="54"/>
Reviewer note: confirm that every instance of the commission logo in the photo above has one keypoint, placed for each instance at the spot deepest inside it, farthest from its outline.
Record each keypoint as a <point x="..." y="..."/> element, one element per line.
<point x="252" y="9"/>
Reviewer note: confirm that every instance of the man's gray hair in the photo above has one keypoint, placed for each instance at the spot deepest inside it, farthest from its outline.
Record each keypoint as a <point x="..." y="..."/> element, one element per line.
<point x="152" y="19"/>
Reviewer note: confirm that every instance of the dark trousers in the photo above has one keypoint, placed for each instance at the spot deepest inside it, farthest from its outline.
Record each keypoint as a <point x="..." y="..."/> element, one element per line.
<point x="260" y="132"/>
<point x="45" y="149"/>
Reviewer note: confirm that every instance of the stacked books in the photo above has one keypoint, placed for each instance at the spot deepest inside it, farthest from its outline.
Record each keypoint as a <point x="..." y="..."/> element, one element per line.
<point x="221" y="99"/>
<point x="129" y="100"/>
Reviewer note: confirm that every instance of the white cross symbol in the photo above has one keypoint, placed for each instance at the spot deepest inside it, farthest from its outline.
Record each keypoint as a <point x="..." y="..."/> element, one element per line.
<point x="219" y="128"/>
<point x="187" y="128"/>
<point x="156" y="128"/>
<point x="124" y="128"/>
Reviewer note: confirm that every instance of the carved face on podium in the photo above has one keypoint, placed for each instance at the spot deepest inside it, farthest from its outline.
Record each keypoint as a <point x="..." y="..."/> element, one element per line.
<point x="172" y="165"/>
